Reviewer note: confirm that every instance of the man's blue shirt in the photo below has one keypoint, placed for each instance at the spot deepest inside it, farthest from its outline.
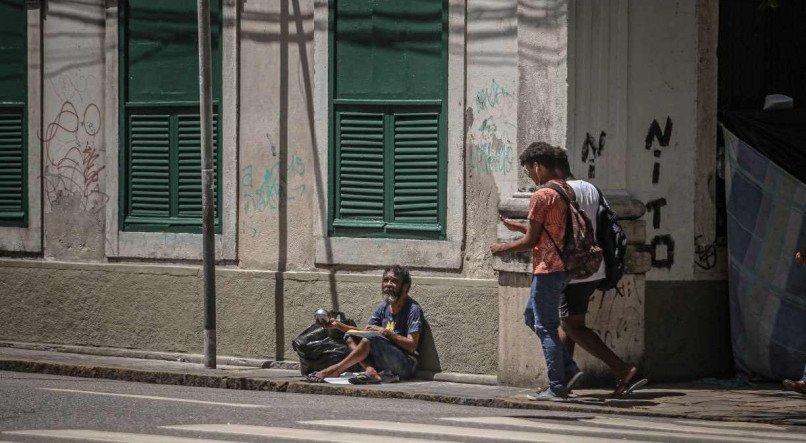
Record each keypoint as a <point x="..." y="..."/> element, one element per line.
<point x="409" y="320"/>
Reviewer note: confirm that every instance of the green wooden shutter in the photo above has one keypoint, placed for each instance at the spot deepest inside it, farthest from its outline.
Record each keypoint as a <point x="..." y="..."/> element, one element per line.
<point x="161" y="165"/>
<point x="388" y="104"/>
<point x="13" y="114"/>
<point x="150" y="166"/>
<point x="360" y="154"/>
<point x="12" y="167"/>
<point x="188" y="141"/>
<point x="416" y="168"/>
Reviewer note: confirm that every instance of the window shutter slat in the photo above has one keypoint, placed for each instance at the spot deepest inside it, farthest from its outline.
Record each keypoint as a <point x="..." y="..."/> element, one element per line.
<point x="12" y="162"/>
<point x="189" y="185"/>
<point x="150" y="165"/>
<point x="416" y="168"/>
<point x="360" y="166"/>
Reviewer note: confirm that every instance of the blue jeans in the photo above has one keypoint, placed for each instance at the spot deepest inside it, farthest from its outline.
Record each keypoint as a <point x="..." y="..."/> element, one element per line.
<point x="542" y="315"/>
<point x="386" y="355"/>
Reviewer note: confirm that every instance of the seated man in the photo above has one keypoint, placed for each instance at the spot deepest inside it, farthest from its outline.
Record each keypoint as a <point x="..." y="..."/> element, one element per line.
<point x="398" y="322"/>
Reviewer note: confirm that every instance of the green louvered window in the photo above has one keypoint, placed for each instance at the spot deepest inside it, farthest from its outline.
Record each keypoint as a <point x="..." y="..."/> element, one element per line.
<point x="13" y="114"/>
<point x="388" y="118"/>
<point x="159" y="109"/>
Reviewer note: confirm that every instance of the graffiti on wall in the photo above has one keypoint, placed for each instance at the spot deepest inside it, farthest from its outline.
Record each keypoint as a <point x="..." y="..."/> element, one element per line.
<point x="491" y="141"/>
<point x="663" y="137"/>
<point x="662" y="245"/>
<point x="705" y="257"/>
<point x="591" y="150"/>
<point x="72" y="145"/>
<point x="264" y="191"/>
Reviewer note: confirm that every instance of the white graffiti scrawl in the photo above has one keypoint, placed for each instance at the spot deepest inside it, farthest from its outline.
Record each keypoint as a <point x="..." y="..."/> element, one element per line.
<point x="492" y="136"/>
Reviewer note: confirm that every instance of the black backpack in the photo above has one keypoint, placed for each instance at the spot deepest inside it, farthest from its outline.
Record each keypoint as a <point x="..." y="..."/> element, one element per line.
<point x="613" y="242"/>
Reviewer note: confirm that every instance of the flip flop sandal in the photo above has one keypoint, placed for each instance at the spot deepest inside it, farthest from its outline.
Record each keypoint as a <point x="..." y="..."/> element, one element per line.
<point x="635" y="386"/>
<point x="313" y="378"/>
<point x="363" y="379"/>
<point x="627" y="383"/>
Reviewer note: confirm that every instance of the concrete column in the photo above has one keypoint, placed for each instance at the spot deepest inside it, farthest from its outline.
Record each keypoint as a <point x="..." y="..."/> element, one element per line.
<point x="542" y="74"/>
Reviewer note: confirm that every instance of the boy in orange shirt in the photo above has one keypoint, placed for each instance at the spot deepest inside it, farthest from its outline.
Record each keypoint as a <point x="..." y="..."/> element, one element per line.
<point x="543" y="235"/>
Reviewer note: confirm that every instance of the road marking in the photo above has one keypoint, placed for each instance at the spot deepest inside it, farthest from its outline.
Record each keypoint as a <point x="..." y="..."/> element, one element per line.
<point x="733" y="425"/>
<point x="561" y="427"/>
<point x="295" y="434"/>
<point x="151" y="397"/>
<point x="121" y="437"/>
<point x="734" y="433"/>
<point x="390" y="427"/>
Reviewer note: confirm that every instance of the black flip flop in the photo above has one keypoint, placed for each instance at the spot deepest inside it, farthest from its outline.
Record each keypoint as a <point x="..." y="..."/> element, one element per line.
<point x="313" y="378"/>
<point x="364" y="379"/>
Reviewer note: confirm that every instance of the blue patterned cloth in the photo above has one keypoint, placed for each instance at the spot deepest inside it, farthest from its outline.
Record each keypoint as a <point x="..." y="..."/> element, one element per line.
<point x="766" y="207"/>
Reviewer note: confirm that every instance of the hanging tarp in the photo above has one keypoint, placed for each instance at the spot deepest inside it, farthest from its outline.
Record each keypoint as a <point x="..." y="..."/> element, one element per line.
<point x="765" y="208"/>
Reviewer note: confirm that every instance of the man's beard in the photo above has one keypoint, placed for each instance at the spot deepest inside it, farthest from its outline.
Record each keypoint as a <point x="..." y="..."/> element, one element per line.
<point x="391" y="296"/>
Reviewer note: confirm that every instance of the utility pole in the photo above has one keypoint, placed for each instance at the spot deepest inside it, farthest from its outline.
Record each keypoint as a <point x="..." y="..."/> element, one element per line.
<point x="208" y="223"/>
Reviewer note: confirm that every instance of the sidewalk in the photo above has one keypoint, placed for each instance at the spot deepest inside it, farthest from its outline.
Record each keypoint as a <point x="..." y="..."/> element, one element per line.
<point x="765" y="403"/>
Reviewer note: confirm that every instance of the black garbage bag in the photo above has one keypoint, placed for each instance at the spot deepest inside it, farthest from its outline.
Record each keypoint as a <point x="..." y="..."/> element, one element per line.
<point x="319" y="348"/>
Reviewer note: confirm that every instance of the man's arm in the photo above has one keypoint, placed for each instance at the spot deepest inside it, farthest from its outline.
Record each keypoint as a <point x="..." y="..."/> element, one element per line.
<point x="525" y="243"/>
<point x="407" y="342"/>
<point x="335" y="324"/>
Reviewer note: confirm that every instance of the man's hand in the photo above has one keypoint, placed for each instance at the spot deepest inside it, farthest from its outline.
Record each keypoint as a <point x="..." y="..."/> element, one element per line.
<point x="383" y="331"/>
<point x="497" y="248"/>
<point x="327" y="323"/>
<point x="511" y="224"/>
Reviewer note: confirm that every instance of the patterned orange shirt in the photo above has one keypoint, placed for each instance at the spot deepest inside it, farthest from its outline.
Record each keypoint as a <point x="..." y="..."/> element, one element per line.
<point x="548" y="208"/>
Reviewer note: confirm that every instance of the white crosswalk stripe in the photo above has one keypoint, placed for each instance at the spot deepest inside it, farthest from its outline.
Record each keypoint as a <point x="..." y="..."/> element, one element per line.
<point x="501" y="428"/>
<point x="732" y="425"/>
<point x="647" y="431"/>
<point x="456" y="431"/>
<point x="294" y="434"/>
<point x="691" y="428"/>
<point x="119" y="437"/>
<point x="152" y="397"/>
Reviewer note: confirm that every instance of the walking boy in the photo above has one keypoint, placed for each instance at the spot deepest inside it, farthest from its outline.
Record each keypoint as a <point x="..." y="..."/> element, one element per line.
<point x="547" y="219"/>
<point x="575" y="297"/>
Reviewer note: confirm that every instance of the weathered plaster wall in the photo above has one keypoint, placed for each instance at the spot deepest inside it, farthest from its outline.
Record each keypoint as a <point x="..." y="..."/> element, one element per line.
<point x="689" y="330"/>
<point x="73" y="156"/>
<point x="491" y="146"/>
<point x="159" y="308"/>
<point x="276" y="172"/>
<point x="642" y="110"/>
<point x="619" y="319"/>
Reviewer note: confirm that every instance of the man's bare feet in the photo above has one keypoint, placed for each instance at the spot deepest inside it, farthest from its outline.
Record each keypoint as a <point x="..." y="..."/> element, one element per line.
<point x="373" y="373"/>
<point x="795" y="385"/>
<point x="327" y="373"/>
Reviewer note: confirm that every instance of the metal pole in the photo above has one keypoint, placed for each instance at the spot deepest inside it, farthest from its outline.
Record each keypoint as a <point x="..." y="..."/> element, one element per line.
<point x="208" y="226"/>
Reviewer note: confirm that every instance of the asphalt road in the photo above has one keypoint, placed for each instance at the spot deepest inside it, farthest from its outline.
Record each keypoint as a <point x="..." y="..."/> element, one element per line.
<point x="35" y="407"/>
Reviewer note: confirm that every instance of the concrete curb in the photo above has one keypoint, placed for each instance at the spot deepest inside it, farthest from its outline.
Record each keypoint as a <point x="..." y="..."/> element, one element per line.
<point x="264" y="384"/>
<point x="150" y="355"/>
<point x="455" y="377"/>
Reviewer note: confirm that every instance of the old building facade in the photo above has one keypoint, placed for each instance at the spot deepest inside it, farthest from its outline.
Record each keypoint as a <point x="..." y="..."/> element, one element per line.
<point x="351" y="135"/>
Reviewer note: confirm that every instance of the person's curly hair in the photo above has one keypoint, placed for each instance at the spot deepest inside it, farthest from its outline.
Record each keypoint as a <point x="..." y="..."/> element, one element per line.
<point x="542" y="153"/>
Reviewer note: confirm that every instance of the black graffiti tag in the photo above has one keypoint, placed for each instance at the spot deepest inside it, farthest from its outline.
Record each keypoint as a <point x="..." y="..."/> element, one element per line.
<point x="706" y="254"/>
<point x="663" y="138"/>
<point x="654" y="207"/>
<point x="592" y="150"/>
<point x="660" y="241"/>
